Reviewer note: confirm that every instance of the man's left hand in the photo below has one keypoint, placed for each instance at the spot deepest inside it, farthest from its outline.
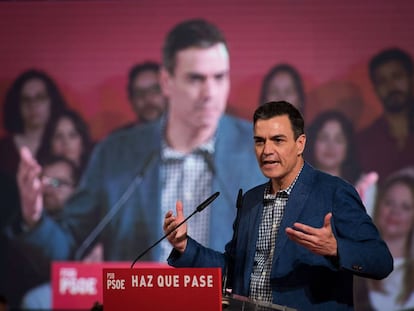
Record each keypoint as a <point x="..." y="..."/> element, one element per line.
<point x="320" y="241"/>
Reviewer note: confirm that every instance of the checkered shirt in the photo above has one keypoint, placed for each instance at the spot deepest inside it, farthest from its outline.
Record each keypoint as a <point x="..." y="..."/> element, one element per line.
<point x="273" y="208"/>
<point x="186" y="177"/>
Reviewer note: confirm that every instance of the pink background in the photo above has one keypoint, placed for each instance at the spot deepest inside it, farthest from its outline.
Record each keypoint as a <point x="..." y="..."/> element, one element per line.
<point x="89" y="46"/>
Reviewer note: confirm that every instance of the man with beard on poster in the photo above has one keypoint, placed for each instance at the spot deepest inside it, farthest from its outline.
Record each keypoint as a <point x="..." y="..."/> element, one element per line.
<point x="385" y="146"/>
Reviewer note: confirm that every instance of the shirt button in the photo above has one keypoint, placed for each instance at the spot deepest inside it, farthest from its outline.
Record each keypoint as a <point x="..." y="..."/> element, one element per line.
<point x="264" y="273"/>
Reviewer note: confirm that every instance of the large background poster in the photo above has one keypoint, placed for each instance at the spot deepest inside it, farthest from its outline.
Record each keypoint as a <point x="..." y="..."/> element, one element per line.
<point x="89" y="46"/>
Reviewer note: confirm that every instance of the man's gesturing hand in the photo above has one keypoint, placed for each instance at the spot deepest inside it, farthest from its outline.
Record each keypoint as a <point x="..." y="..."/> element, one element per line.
<point x="320" y="241"/>
<point x="177" y="238"/>
<point x="30" y="188"/>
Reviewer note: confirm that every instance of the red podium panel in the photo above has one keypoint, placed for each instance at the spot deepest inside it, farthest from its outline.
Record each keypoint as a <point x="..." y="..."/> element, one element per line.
<point x="149" y="289"/>
<point x="77" y="285"/>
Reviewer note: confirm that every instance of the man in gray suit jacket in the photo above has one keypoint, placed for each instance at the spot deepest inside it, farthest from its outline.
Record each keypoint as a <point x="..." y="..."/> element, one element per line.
<point x="300" y="237"/>
<point x="191" y="152"/>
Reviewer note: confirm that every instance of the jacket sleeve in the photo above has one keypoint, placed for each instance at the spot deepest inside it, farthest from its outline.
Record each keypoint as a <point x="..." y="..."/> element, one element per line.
<point x="58" y="239"/>
<point x="196" y="255"/>
<point x="361" y="249"/>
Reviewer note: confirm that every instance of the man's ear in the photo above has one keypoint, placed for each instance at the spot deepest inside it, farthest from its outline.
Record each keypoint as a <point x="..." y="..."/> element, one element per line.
<point x="300" y="143"/>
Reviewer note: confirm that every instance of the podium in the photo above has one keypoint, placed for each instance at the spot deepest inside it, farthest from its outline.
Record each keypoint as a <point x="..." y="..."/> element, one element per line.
<point x="78" y="285"/>
<point x="241" y="303"/>
<point x="181" y="289"/>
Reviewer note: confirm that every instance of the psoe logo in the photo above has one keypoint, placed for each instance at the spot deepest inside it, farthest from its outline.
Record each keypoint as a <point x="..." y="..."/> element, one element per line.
<point x="112" y="283"/>
<point x="72" y="284"/>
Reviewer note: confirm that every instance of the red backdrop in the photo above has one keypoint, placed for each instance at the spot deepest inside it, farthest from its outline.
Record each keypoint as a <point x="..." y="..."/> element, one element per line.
<point x="89" y="46"/>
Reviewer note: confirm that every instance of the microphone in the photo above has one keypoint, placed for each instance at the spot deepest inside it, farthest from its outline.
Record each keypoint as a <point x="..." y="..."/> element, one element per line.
<point x="198" y="209"/>
<point x="116" y="207"/>
<point x="228" y="272"/>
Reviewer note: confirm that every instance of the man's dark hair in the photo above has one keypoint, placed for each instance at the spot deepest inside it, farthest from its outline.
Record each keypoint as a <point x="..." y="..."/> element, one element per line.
<point x="385" y="56"/>
<point x="191" y="33"/>
<point x="137" y="69"/>
<point x="280" y="108"/>
<point x="12" y="117"/>
<point x="297" y="80"/>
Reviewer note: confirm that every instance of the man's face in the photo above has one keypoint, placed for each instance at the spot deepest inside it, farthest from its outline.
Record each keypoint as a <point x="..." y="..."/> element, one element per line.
<point x="199" y="86"/>
<point x="394" y="86"/>
<point x="277" y="151"/>
<point x="58" y="186"/>
<point x="146" y="99"/>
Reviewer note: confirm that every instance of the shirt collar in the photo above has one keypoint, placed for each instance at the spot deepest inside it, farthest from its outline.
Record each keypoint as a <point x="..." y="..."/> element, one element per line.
<point x="168" y="153"/>
<point x="269" y="196"/>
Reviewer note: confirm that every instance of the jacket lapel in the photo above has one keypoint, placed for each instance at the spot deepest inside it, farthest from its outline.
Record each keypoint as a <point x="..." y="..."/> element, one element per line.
<point x="294" y="207"/>
<point x="223" y="210"/>
<point x="251" y="231"/>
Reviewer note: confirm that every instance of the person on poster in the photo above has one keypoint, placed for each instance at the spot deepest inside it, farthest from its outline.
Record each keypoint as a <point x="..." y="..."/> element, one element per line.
<point x="189" y="153"/>
<point x="385" y="146"/>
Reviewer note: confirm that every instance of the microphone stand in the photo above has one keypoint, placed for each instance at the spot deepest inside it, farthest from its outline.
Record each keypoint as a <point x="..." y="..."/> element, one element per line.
<point x="198" y="209"/>
<point x="114" y="210"/>
<point x="228" y="272"/>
